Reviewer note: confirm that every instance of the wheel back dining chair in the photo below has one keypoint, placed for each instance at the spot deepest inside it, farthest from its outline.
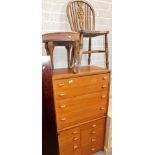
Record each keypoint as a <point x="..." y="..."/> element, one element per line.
<point x="81" y="16"/>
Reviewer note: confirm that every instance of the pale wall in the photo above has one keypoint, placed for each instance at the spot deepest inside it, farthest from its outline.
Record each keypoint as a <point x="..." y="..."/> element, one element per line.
<point x="54" y="19"/>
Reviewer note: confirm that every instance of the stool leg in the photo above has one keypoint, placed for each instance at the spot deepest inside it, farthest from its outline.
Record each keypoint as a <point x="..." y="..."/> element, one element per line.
<point x="46" y="47"/>
<point x="68" y="55"/>
<point x="89" y="55"/>
<point x="106" y="51"/>
<point x="51" y="49"/>
<point x="74" y="57"/>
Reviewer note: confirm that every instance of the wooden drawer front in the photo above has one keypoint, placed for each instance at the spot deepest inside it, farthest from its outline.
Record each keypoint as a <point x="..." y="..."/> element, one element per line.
<point x="79" y="109"/>
<point x="92" y="137"/>
<point x="69" y="93"/>
<point x="83" y="101"/>
<point x="81" y="81"/>
<point x="82" y="140"/>
<point x="69" y="142"/>
<point x="97" y="135"/>
<point x="86" y="139"/>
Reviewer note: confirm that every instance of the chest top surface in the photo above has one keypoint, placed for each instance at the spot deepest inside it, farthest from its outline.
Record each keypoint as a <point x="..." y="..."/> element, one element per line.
<point x="84" y="71"/>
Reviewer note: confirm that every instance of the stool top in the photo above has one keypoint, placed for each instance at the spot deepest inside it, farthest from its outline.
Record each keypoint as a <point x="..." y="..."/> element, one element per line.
<point x="61" y="37"/>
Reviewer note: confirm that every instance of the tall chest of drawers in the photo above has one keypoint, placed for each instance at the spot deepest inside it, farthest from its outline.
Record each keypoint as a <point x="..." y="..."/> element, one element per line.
<point x="80" y="103"/>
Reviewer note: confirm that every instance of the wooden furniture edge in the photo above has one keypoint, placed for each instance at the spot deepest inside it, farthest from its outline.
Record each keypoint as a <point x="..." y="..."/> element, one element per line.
<point x="63" y="73"/>
<point x="79" y="124"/>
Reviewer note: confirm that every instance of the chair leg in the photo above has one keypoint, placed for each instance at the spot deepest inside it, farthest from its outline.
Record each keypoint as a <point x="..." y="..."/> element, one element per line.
<point x="77" y="57"/>
<point x="78" y="54"/>
<point x="79" y="60"/>
<point x="89" y="55"/>
<point x="51" y="49"/>
<point x="68" y="55"/>
<point x="106" y="51"/>
<point x="72" y="58"/>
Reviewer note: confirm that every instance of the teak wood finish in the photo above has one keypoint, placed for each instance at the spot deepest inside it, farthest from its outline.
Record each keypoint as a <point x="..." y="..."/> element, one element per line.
<point x="84" y="140"/>
<point x="81" y="16"/>
<point x="80" y="103"/>
<point x="68" y="39"/>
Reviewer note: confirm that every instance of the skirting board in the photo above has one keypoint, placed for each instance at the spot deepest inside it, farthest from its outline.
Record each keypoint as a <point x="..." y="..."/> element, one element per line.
<point x="108" y="134"/>
<point x="107" y="150"/>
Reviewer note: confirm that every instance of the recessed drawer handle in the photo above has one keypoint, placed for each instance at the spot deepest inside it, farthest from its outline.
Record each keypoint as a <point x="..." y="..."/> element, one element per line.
<point x="103" y="96"/>
<point x="75" y="147"/>
<point x="93" y="140"/>
<point x="75" y="132"/>
<point x="75" y="138"/>
<point x="104" y="86"/>
<point x="61" y="84"/>
<point x="62" y="106"/>
<point x="70" y="81"/>
<point x="93" y="132"/>
<point x="102" y="108"/>
<point x="93" y="149"/>
<point x="63" y="119"/>
<point x="61" y="95"/>
<point x="94" y="125"/>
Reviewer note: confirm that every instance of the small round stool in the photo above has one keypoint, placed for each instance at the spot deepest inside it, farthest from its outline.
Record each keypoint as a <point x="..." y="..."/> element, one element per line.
<point x="67" y="39"/>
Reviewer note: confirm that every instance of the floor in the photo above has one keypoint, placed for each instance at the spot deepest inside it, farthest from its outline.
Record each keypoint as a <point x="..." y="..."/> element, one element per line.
<point x="102" y="153"/>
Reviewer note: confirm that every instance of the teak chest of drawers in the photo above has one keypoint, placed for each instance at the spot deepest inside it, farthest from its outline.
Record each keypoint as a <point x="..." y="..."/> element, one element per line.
<point x="80" y="103"/>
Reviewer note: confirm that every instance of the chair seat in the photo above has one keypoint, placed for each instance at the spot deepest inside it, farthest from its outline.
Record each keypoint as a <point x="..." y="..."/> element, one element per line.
<point x="93" y="33"/>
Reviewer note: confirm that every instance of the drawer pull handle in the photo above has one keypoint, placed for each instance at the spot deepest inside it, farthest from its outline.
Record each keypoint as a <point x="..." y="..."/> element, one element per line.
<point x="44" y="67"/>
<point x="94" y="125"/>
<point x="103" y="96"/>
<point x="102" y="108"/>
<point x="75" y="147"/>
<point x="61" y="84"/>
<point x="104" y="86"/>
<point x="63" y="119"/>
<point x="70" y="81"/>
<point x="93" y="140"/>
<point x="75" y="138"/>
<point x="75" y="132"/>
<point x="63" y="106"/>
<point x="93" y="132"/>
<point x="104" y="78"/>
<point x="93" y="149"/>
<point x="61" y="95"/>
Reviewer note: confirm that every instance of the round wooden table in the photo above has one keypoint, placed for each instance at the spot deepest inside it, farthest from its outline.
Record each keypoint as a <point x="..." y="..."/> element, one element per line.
<point x="68" y="40"/>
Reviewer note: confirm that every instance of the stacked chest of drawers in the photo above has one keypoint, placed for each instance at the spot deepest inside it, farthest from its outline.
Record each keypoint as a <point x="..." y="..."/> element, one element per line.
<point x="81" y="102"/>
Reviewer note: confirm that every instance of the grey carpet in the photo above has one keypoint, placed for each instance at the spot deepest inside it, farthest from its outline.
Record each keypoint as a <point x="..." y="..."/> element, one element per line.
<point x="102" y="153"/>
